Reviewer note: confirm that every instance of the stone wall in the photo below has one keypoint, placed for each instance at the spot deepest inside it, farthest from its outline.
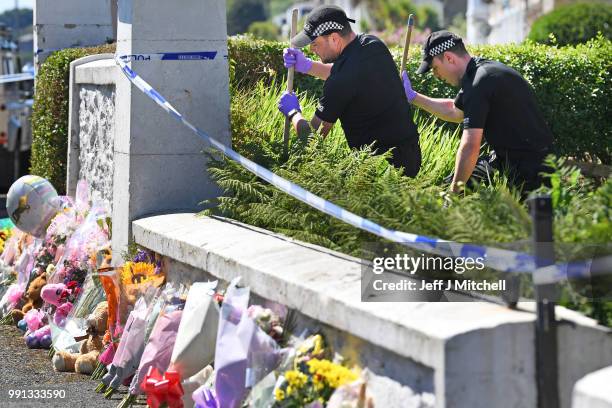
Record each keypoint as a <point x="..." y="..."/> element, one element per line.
<point x="70" y="23"/>
<point x="462" y="354"/>
<point x="96" y="139"/>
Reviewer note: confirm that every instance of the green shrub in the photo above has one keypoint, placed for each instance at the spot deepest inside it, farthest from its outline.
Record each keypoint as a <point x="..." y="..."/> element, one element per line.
<point x="241" y="13"/>
<point x="573" y="24"/>
<point x="368" y="186"/>
<point x="266" y="30"/>
<point x="50" y="114"/>
<point x="573" y="85"/>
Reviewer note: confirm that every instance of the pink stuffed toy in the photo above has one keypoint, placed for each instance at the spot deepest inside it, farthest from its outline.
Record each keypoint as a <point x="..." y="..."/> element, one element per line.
<point x="40" y="338"/>
<point x="60" y="296"/>
<point x="34" y="319"/>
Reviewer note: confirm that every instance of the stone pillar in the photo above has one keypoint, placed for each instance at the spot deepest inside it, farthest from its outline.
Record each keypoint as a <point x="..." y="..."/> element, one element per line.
<point x="159" y="165"/>
<point x="477" y="18"/>
<point x="70" y="23"/>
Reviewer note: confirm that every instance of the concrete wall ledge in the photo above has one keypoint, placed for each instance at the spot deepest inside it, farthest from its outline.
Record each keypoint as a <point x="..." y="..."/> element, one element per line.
<point x="467" y="345"/>
<point x="101" y="71"/>
<point x="307" y="277"/>
<point x="594" y="390"/>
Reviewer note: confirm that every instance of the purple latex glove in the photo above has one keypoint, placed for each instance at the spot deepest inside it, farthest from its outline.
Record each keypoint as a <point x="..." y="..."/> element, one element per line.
<point x="288" y="102"/>
<point x="293" y="57"/>
<point x="410" y="93"/>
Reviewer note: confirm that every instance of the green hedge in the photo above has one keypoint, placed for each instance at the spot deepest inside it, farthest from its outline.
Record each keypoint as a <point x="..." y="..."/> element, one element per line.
<point x="572" y="84"/>
<point x="50" y="114"/>
<point x="573" y="24"/>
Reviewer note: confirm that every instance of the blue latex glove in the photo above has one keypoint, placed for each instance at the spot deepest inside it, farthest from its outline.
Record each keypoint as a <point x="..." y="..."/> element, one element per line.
<point x="288" y="102"/>
<point x="294" y="57"/>
<point x="410" y="93"/>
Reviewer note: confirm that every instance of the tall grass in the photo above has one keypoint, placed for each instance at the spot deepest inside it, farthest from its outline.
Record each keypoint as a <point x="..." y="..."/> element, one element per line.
<point x="369" y="186"/>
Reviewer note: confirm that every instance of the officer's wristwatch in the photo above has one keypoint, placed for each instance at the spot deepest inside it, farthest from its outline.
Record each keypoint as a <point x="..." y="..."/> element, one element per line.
<point x="292" y="113"/>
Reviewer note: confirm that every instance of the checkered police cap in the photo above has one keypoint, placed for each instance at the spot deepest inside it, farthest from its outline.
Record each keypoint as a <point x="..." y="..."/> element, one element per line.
<point x="322" y="20"/>
<point x="436" y="44"/>
<point x="328" y="26"/>
<point x="439" y="49"/>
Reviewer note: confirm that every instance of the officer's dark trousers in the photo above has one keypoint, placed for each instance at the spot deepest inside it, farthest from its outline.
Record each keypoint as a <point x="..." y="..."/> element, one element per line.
<point x="408" y="156"/>
<point x="524" y="174"/>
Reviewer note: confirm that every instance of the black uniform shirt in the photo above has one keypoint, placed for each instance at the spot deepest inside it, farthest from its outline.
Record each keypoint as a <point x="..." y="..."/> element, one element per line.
<point x="365" y="92"/>
<point x="497" y="99"/>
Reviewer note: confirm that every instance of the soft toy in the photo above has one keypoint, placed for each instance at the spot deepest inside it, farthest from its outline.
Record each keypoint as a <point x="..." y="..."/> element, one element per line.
<point x="62" y="297"/>
<point x="40" y="338"/>
<point x="32" y="296"/>
<point x="85" y="361"/>
<point x="38" y="334"/>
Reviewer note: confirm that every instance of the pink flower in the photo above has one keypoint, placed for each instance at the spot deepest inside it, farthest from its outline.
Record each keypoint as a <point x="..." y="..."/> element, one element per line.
<point x="14" y="294"/>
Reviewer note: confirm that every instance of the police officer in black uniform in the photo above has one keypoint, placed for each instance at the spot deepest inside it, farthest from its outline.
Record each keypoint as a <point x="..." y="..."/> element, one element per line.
<point x="494" y="102"/>
<point x="362" y="88"/>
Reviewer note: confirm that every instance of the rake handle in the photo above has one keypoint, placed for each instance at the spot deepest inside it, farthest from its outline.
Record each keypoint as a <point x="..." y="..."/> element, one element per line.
<point x="407" y="43"/>
<point x="290" y="77"/>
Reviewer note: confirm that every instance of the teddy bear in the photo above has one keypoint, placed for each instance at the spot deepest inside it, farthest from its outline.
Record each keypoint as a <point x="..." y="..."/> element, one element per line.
<point x="86" y="360"/>
<point x="33" y="299"/>
<point x="62" y="297"/>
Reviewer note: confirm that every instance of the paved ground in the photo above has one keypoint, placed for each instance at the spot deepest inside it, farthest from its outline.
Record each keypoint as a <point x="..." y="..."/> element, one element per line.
<point x="24" y="369"/>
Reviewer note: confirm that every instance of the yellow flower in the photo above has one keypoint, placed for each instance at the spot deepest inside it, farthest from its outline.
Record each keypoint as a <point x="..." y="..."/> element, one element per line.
<point x="279" y="394"/>
<point x="313" y="345"/>
<point x="295" y="379"/>
<point x="324" y="372"/>
<point x="137" y="272"/>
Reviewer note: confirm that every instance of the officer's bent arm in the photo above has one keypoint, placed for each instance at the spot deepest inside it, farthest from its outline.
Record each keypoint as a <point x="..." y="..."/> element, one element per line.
<point x="320" y="125"/>
<point x="320" y="70"/>
<point x="467" y="156"/>
<point x="304" y="129"/>
<point x="445" y="109"/>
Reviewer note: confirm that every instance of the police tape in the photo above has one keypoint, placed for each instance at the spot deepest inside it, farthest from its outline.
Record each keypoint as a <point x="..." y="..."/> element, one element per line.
<point x="172" y="56"/>
<point x="573" y="270"/>
<point x="161" y="56"/>
<point x="496" y="258"/>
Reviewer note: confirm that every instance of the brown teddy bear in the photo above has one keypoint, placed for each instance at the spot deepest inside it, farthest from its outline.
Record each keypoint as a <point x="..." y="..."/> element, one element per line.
<point x="32" y="298"/>
<point x="86" y="360"/>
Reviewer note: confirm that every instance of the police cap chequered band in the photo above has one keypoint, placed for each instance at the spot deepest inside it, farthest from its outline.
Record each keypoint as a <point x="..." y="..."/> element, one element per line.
<point x="326" y="26"/>
<point x="440" y="48"/>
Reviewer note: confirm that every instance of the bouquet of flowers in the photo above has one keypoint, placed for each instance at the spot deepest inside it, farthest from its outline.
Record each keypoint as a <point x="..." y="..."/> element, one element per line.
<point x="268" y="321"/>
<point x="314" y="382"/>
<point x="244" y="353"/>
<point x="353" y="395"/>
<point x="123" y="287"/>
<point x="156" y="342"/>
<point x="5" y="234"/>
<point x="312" y="378"/>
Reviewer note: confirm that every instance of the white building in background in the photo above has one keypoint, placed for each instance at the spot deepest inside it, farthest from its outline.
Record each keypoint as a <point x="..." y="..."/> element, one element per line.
<point x="502" y="21"/>
<point x="354" y="9"/>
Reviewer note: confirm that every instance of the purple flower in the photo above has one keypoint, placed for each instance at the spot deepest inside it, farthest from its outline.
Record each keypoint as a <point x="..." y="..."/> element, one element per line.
<point x="141" y="256"/>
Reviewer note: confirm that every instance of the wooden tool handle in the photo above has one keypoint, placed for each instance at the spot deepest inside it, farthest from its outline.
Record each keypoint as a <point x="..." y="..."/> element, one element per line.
<point x="290" y="76"/>
<point x="407" y="42"/>
<point x="291" y="73"/>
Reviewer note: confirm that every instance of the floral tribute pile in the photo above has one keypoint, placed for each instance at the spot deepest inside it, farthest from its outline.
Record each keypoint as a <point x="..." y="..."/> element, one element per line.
<point x="169" y="345"/>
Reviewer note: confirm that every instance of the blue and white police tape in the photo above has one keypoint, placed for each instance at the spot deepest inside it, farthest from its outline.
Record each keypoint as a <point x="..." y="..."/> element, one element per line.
<point x="25" y="76"/>
<point x="573" y="270"/>
<point x="161" y="56"/>
<point x="499" y="259"/>
<point x="172" y="56"/>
